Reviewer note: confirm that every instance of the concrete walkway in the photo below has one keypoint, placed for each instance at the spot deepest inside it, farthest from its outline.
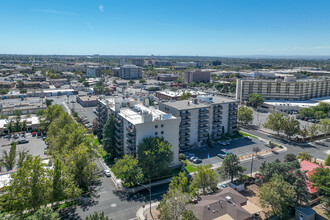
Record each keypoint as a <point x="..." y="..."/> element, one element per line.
<point x="141" y="210"/>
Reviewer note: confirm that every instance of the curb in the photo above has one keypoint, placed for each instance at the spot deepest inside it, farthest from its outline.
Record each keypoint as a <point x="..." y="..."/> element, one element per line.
<point x="140" y="211"/>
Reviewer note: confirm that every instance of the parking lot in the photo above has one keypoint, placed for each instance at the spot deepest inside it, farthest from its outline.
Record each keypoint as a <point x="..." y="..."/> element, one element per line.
<point x="240" y="147"/>
<point x="36" y="145"/>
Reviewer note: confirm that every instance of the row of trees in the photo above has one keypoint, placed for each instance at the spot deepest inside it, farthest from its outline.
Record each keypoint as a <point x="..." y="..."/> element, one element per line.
<point x="155" y="156"/>
<point x="317" y="112"/>
<point x="13" y="158"/>
<point x="72" y="152"/>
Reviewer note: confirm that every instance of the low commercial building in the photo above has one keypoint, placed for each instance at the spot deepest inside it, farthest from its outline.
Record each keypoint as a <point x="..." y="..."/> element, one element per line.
<point x="59" y="92"/>
<point x="32" y="124"/>
<point x="135" y="122"/>
<point x="167" y="77"/>
<point x="197" y="75"/>
<point x="130" y="72"/>
<point x="87" y="101"/>
<point x="25" y="108"/>
<point x="203" y="118"/>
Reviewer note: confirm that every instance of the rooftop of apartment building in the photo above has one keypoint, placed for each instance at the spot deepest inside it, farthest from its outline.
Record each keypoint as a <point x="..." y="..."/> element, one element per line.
<point x="287" y="78"/>
<point x="137" y="113"/>
<point x="180" y="92"/>
<point x="199" y="102"/>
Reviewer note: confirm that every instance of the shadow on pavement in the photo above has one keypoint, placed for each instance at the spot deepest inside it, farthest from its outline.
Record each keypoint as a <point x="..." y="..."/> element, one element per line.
<point x="69" y="213"/>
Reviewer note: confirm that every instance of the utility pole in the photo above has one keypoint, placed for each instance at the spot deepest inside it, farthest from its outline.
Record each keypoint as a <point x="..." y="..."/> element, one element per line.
<point x="150" y="199"/>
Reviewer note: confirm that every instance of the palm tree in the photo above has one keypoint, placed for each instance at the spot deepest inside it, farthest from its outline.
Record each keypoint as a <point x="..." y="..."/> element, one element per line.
<point x="9" y="158"/>
<point x="22" y="156"/>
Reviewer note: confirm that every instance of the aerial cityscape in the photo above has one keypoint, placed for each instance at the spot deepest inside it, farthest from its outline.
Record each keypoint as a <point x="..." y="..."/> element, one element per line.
<point x="169" y="110"/>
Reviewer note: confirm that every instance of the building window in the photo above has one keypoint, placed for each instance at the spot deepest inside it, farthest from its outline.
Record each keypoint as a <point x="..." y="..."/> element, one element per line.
<point x="269" y="88"/>
<point x="250" y="88"/>
<point x="162" y="132"/>
<point x="296" y="88"/>
<point x="287" y="88"/>
<point x="259" y="87"/>
<point x="156" y="126"/>
<point x="156" y="133"/>
<point x="278" y="87"/>
<point x="162" y="125"/>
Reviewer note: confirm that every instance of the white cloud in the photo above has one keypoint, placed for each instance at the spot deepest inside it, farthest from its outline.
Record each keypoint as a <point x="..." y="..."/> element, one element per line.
<point x="101" y="8"/>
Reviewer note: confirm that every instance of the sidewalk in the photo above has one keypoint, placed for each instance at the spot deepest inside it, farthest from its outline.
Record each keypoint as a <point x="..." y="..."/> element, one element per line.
<point x="140" y="212"/>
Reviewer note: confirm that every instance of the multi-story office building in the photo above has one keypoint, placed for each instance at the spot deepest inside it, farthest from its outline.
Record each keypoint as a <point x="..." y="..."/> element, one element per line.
<point x="135" y="122"/>
<point x="197" y="76"/>
<point x="130" y="72"/>
<point x="203" y="118"/>
<point x="93" y="71"/>
<point x="289" y="89"/>
<point x="138" y="61"/>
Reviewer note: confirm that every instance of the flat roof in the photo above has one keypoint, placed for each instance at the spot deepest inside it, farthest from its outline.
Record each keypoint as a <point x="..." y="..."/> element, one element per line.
<point x="88" y="98"/>
<point x="180" y="92"/>
<point x="186" y="104"/>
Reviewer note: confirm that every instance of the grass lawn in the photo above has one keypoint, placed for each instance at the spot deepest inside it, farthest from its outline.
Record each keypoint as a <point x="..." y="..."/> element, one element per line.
<point x="190" y="168"/>
<point x="242" y="134"/>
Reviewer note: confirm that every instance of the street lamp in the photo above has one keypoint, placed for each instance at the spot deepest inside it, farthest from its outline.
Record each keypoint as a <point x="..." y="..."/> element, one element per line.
<point x="149" y="189"/>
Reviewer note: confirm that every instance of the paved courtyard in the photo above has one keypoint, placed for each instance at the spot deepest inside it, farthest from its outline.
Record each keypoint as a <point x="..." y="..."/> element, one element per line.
<point x="239" y="146"/>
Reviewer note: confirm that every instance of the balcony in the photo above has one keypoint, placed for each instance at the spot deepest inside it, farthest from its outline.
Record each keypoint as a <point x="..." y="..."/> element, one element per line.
<point x="131" y="148"/>
<point x="201" y="132"/>
<point x="183" y="114"/>
<point x="119" y="151"/>
<point x="217" y="116"/>
<point x="184" y="141"/>
<point x="203" y="116"/>
<point x="184" y="146"/>
<point x="203" y="126"/>
<point x="119" y="125"/>
<point x="119" y="138"/>
<point x="217" y="122"/>
<point x="130" y="142"/>
<point x="184" y="125"/>
<point x="185" y="119"/>
<point x="217" y="112"/>
<point x="205" y="111"/>
<point x="118" y="132"/>
<point x="130" y="129"/>
<point x="202" y="138"/>
<point x="131" y="136"/>
<point x="217" y="107"/>
<point x="203" y="121"/>
<point x="217" y="128"/>
<point x="184" y="135"/>
<point x="184" y="129"/>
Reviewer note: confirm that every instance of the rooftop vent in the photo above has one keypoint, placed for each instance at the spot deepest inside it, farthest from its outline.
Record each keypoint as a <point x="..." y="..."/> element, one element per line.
<point x="228" y="198"/>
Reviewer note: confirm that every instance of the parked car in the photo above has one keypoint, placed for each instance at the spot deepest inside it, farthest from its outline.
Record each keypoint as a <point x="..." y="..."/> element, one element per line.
<point x="23" y="141"/>
<point x="16" y="136"/>
<point x="223" y="185"/>
<point x="107" y="173"/>
<point x="197" y="160"/>
<point x="192" y="158"/>
<point x="222" y="156"/>
<point x="248" y="138"/>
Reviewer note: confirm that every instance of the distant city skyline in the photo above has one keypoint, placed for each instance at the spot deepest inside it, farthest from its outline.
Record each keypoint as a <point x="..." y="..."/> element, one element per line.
<point x="182" y="28"/>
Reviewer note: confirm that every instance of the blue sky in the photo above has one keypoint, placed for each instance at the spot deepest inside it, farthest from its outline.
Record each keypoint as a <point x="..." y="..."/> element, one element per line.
<point x="165" y="27"/>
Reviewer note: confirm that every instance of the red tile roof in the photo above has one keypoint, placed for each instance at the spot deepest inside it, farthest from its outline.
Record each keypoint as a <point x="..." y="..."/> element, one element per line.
<point x="310" y="168"/>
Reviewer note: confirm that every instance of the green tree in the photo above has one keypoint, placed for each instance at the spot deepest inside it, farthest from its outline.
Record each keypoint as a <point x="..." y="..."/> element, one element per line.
<point x="97" y="216"/>
<point x="321" y="181"/>
<point x="327" y="160"/>
<point x="245" y="114"/>
<point x="185" y="96"/>
<point x="49" y="102"/>
<point x="192" y="84"/>
<point x="277" y="194"/>
<point x="205" y="179"/>
<point x="49" y="115"/>
<point x="24" y="126"/>
<point x="62" y="183"/>
<point x="10" y="126"/>
<point x="155" y="155"/>
<point x="142" y="81"/>
<point x="230" y="167"/>
<point x="80" y="164"/>
<point x="313" y="131"/>
<point x="173" y="204"/>
<point x="28" y="187"/>
<point x="188" y="215"/>
<point x="255" y="99"/>
<point x="131" y="82"/>
<point x="45" y="213"/>
<point x="86" y="84"/>
<point x="274" y="122"/>
<point x="290" y="126"/>
<point x="22" y="156"/>
<point x="9" y="158"/>
<point x="40" y="112"/>
<point x="108" y="135"/>
<point x="324" y="126"/>
<point x="128" y="171"/>
<point x="289" y="158"/>
<point x="304" y="131"/>
<point x="181" y="183"/>
<point x="304" y="156"/>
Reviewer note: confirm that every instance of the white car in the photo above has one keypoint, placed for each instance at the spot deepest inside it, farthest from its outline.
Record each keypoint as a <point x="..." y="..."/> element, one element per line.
<point x="107" y="173"/>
